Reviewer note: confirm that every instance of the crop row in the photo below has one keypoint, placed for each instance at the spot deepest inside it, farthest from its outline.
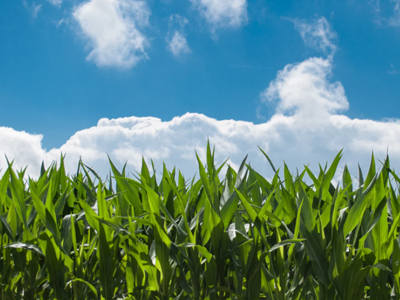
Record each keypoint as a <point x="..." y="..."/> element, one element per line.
<point x="240" y="237"/>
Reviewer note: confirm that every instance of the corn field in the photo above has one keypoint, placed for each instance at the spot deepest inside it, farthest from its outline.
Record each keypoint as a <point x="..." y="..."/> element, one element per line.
<point x="240" y="237"/>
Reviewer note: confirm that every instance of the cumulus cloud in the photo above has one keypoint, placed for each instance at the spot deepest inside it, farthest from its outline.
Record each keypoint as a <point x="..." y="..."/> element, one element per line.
<point x="112" y="30"/>
<point x="24" y="147"/>
<point x="222" y="13"/>
<point x="176" y="39"/>
<point x="306" y="128"/>
<point x="304" y="90"/>
<point x="317" y="34"/>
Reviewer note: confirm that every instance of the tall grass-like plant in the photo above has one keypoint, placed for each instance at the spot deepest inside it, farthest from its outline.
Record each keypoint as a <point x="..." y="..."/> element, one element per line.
<point x="243" y="237"/>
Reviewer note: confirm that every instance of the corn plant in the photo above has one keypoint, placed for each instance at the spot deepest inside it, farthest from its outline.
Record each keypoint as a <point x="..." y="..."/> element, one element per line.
<point x="237" y="236"/>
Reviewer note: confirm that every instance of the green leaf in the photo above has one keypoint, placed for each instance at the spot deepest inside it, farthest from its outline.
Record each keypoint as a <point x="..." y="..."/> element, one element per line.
<point x="284" y="243"/>
<point x="92" y="288"/>
<point x="26" y="246"/>
<point x="357" y="210"/>
<point x="106" y="265"/>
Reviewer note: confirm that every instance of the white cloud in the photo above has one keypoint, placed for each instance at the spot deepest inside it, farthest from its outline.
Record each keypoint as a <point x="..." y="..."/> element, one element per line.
<point x="55" y="2"/>
<point x="317" y="34"/>
<point x="396" y="4"/>
<point x="306" y="128"/>
<point x="33" y="8"/>
<point x="395" y="19"/>
<point x="24" y="147"/>
<point x="304" y="90"/>
<point x="176" y="39"/>
<point x="178" y="44"/>
<point x="223" y="13"/>
<point x="36" y="9"/>
<point x="387" y="12"/>
<point x="111" y="27"/>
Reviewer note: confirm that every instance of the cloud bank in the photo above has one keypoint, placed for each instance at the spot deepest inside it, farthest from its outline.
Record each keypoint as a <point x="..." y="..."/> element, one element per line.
<point x="306" y="128"/>
<point x="111" y="28"/>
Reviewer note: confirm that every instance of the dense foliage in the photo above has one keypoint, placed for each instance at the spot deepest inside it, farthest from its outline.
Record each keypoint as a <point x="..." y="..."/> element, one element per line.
<point x="243" y="237"/>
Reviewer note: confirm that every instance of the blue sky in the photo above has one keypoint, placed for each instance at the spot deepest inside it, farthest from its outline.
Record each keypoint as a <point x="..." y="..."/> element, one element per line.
<point x="66" y="64"/>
